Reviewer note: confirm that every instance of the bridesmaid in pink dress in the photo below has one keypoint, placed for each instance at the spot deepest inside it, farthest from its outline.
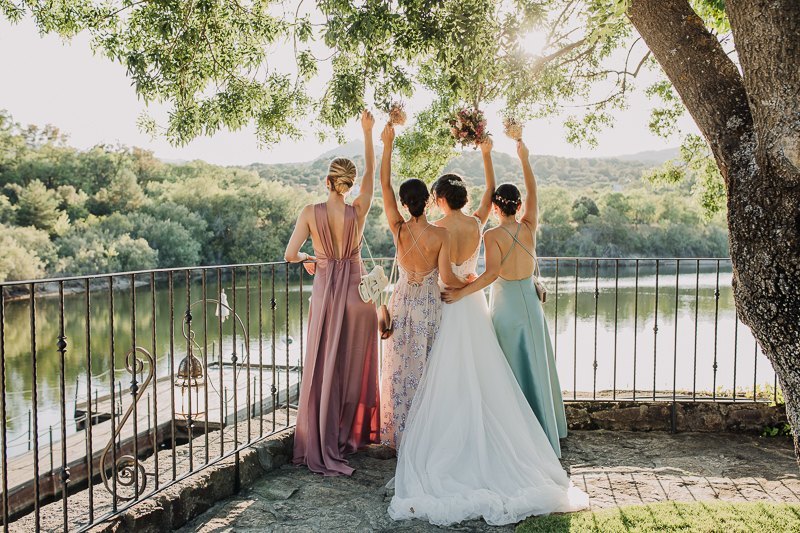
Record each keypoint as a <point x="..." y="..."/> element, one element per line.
<point x="339" y="408"/>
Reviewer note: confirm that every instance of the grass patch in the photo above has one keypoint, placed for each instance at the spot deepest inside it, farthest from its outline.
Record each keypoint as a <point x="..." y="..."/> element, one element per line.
<point x="700" y="517"/>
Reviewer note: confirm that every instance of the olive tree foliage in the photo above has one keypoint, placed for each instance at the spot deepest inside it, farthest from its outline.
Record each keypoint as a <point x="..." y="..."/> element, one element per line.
<point x="216" y="63"/>
<point x="207" y="59"/>
<point x="474" y="52"/>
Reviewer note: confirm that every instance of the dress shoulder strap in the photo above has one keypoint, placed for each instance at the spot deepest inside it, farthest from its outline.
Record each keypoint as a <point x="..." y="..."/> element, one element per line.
<point x="414" y="243"/>
<point x="516" y="242"/>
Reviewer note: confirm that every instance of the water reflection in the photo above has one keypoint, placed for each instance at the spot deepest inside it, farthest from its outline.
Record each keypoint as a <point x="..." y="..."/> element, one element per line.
<point x="616" y="330"/>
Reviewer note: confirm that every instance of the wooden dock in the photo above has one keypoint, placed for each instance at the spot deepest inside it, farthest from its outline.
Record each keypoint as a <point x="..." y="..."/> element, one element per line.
<point x="156" y="427"/>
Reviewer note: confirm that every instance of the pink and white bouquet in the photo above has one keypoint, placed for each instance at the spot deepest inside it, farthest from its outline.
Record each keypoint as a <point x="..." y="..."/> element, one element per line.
<point x="468" y="127"/>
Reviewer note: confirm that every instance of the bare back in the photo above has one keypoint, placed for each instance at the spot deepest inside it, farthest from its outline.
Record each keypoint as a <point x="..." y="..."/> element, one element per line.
<point x="345" y="235"/>
<point x="418" y="247"/>
<point x="465" y="235"/>
<point x="517" y="244"/>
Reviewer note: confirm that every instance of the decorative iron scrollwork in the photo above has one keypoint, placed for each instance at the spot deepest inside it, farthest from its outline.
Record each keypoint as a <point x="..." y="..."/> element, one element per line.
<point x="128" y="471"/>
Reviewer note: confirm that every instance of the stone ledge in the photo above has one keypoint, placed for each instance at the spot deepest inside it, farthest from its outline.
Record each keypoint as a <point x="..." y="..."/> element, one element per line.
<point x="189" y="498"/>
<point x="705" y="417"/>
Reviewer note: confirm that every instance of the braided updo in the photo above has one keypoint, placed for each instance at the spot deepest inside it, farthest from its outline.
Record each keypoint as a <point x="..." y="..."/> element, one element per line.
<point x="507" y="198"/>
<point x="341" y="175"/>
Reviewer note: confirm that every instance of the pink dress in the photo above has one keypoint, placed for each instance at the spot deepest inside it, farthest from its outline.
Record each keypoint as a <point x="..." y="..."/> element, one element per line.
<point x="339" y="409"/>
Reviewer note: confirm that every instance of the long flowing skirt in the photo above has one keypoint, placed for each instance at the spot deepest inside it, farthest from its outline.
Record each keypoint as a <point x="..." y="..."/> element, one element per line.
<point x="472" y="446"/>
<point x="416" y="310"/>
<point x="521" y="329"/>
<point x="339" y="407"/>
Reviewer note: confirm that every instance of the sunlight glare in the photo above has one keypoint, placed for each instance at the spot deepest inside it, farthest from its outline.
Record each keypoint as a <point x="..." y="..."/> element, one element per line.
<point x="534" y="42"/>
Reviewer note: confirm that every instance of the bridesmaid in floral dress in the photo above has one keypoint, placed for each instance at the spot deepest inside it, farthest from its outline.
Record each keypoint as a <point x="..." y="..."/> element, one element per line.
<point x="339" y="407"/>
<point x="423" y="253"/>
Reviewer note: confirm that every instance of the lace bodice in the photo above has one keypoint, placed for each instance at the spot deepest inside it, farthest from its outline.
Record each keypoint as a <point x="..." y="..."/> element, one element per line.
<point x="469" y="266"/>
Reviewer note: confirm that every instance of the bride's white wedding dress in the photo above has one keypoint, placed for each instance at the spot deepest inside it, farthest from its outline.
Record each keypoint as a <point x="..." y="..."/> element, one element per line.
<point x="472" y="445"/>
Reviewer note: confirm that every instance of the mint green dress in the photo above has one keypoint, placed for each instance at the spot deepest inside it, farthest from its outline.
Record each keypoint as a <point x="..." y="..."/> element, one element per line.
<point x="521" y="329"/>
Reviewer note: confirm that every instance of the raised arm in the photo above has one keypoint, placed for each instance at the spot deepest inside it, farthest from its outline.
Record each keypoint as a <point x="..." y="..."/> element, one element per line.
<point x="445" y="267"/>
<point x="485" y="206"/>
<point x="530" y="213"/>
<point x="389" y="200"/>
<point x="364" y="200"/>
<point x="493" y="258"/>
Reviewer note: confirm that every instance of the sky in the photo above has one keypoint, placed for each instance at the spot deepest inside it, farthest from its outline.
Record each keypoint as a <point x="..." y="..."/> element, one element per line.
<point x="45" y="80"/>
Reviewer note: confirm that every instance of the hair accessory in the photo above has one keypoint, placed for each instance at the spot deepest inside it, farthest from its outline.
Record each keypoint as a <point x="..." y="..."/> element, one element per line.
<point x="506" y="201"/>
<point x="457" y="183"/>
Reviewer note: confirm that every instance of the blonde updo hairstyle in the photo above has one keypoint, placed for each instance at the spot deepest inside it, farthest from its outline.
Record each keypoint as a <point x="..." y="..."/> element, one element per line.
<point x="341" y="175"/>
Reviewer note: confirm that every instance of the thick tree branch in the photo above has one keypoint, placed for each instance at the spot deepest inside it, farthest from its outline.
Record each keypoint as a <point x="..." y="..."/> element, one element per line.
<point x="703" y="75"/>
<point x="544" y="60"/>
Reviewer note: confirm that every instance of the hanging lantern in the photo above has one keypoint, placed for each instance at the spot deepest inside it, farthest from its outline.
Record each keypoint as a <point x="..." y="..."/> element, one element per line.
<point x="190" y="383"/>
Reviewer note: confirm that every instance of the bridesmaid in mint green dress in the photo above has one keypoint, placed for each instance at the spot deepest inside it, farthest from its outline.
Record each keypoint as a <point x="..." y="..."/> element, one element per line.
<point x="517" y="313"/>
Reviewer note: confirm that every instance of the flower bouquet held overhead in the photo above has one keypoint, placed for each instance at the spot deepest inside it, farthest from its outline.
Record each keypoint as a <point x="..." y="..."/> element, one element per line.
<point x="468" y="127"/>
<point x="512" y="127"/>
<point x="397" y="114"/>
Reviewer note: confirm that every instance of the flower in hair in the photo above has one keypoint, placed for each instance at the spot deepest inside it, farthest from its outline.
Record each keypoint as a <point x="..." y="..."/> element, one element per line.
<point x="506" y="201"/>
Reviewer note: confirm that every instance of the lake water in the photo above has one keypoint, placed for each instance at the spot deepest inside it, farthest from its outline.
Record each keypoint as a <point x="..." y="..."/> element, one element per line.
<point x="616" y="331"/>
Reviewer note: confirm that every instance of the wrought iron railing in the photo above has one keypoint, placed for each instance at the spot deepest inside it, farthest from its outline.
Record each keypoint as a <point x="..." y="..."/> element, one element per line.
<point x="147" y="377"/>
<point x="652" y="329"/>
<point x="117" y="386"/>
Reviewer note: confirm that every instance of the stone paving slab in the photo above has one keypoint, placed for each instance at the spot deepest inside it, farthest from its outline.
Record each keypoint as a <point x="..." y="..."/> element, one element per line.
<point x="616" y="468"/>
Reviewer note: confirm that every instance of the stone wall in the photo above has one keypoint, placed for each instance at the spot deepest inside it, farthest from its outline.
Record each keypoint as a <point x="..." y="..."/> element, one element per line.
<point x="710" y="417"/>
<point x="175" y="506"/>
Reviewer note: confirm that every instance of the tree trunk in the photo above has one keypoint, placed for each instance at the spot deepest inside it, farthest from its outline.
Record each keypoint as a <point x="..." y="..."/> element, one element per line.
<point x="752" y="123"/>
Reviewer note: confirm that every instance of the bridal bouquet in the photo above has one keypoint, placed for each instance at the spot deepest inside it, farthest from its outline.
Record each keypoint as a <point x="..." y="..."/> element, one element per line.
<point x="512" y="127"/>
<point x="468" y="127"/>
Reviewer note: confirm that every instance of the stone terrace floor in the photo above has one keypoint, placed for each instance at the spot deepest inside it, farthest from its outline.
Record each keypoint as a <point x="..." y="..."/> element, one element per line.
<point x="615" y="468"/>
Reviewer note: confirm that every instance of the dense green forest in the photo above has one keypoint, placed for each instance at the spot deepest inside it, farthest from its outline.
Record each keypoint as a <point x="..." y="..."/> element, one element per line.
<point x="115" y="208"/>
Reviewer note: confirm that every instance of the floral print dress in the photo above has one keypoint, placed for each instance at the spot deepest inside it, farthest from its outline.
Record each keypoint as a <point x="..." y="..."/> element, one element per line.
<point x="416" y="309"/>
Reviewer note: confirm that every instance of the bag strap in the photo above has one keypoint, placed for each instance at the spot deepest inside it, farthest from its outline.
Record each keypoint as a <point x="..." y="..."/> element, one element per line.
<point x="366" y="245"/>
<point x="392" y="280"/>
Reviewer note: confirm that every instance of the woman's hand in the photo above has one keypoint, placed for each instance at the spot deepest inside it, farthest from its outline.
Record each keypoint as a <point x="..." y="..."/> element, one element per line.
<point x="451" y="295"/>
<point x="367" y="121"/>
<point x="310" y="264"/>
<point x="522" y="151"/>
<point x="486" y="145"/>
<point x="387" y="135"/>
<point x="471" y="277"/>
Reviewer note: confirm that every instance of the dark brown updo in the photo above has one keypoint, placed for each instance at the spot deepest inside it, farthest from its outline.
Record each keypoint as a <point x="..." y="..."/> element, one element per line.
<point x="414" y="195"/>
<point x="452" y="188"/>
<point x="507" y="198"/>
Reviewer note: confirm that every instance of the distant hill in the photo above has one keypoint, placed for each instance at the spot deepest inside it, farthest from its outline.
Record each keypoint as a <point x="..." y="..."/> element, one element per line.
<point x="553" y="170"/>
<point x="350" y="149"/>
<point x="654" y="157"/>
<point x="617" y="173"/>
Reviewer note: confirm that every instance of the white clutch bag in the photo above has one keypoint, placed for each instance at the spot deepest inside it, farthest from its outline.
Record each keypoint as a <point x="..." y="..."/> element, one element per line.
<point x="372" y="285"/>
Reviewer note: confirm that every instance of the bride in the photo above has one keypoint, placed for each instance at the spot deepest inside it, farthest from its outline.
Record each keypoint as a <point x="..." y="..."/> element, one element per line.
<point x="472" y="446"/>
